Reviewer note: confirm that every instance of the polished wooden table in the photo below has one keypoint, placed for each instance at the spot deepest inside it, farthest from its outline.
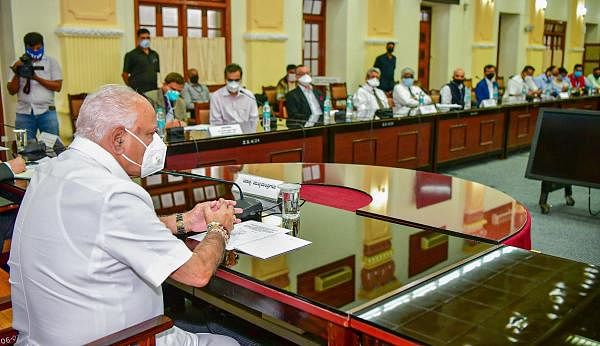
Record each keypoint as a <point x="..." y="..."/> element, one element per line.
<point x="425" y="142"/>
<point x="423" y="262"/>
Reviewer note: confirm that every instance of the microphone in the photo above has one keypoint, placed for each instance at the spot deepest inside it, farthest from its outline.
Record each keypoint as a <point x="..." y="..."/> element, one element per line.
<point x="252" y="207"/>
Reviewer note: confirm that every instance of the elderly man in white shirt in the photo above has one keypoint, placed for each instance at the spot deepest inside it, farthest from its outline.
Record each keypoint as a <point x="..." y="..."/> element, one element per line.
<point x="233" y="104"/>
<point x="89" y="253"/>
<point x="406" y="94"/>
<point x="521" y="86"/>
<point x="368" y="99"/>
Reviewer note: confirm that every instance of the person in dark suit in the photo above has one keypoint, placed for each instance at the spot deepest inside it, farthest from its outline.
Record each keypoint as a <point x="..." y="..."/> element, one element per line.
<point x="304" y="104"/>
<point x="9" y="168"/>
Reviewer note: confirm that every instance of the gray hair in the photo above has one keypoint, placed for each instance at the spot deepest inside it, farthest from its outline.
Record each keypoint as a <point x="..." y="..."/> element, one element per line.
<point x="110" y="106"/>
<point x="407" y="70"/>
<point x="373" y="69"/>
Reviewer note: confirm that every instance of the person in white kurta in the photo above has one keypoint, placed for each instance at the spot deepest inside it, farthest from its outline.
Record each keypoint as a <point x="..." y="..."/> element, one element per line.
<point x="369" y="98"/>
<point x="520" y="86"/>
<point x="406" y="94"/>
<point x="89" y="254"/>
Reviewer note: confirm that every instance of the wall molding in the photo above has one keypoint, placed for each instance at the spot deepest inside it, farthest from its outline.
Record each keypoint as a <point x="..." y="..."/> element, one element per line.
<point x="577" y="49"/>
<point x="536" y="47"/>
<point x="380" y="40"/>
<point x="88" y="32"/>
<point x="483" y="45"/>
<point x="265" y="36"/>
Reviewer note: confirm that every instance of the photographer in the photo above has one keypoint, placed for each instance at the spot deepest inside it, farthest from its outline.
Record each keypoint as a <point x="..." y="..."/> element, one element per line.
<point x="34" y="77"/>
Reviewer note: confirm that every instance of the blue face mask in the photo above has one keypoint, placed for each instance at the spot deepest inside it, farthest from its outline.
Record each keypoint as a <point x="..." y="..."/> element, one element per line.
<point x="172" y="95"/>
<point x="35" y="54"/>
<point x="578" y="74"/>
<point x="408" y="81"/>
<point x="145" y="43"/>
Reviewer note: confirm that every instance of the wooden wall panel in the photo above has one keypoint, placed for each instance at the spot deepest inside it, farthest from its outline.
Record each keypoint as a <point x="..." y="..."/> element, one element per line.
<point x="521" y="126"/>
<point x="364" y="151"/>
<point x="407" y="146"/>
<point x="291" y="155"/>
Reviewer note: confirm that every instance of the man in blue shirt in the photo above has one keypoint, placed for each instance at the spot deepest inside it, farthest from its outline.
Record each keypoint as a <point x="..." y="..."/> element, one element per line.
<point x="386" y="63"/>
<point x="544" y="80"/>
<point x="487" y="88"/>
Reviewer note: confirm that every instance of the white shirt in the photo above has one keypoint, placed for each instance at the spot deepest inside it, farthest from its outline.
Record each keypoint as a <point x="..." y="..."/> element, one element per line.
<point x="315" y="107"/>
<point x="88" y="253"/>
<point x="365" y="102"/>
<point x="516" y="86"/>
<point x="39" y="98"/>
<point x="404" y="101"/>
<point x="490" y="85"/>
<point x="241" y="108"/>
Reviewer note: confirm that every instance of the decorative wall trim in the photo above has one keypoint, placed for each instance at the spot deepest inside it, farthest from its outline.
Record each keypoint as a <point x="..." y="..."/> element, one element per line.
<point x="380" y="40"/>
<point x="484" y="45"/>
<point x="88" y="32"/>
<point x="577" y="49"/>
<point x="536" y="47"/>
<point x="265" y="36"/>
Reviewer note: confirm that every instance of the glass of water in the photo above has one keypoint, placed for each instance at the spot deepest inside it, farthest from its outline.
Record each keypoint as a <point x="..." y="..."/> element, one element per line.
<point x="20" y="138"/>
<point x="290" y="211"/>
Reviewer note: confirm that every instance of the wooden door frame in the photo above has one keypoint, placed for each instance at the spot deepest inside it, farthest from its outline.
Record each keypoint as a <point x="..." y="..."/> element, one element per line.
<point x="322" y="21"/>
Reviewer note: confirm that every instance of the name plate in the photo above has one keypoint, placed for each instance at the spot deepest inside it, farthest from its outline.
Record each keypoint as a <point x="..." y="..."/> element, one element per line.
<point x="325" y="80"/>
<point x="563" y="95"/>
<point x="225" y="130"/>
<point x="427" y="109"/>
<point x="259" y="186"/>
<point x="489" y="103"/>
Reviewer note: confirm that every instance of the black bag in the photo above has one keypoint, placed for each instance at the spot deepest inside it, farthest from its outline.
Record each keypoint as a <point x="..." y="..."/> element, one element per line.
<point x="385" y="113"/>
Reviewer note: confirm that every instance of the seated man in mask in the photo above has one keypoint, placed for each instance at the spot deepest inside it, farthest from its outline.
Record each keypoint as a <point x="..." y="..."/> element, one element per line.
<point x="487" y="88"/>
<point x="406" y="94"/>
<point x="305" y="103"/>
<point x="368" y="99"/>
<point x="521" y="86"/>
<point x="193" y="91"/>
<point x="287" y="83"/>
<point x="93" y="263"/>
<point x="233" y="104"/>
<point x="453" y="93"/>
<point x="168" y="97"/>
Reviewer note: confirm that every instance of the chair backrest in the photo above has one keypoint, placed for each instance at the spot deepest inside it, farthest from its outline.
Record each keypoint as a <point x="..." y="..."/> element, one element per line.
<point x="282" y="109"/>
<point x="271" y="93"/>
<point x="75" y="102"/>
<point x="339" y="93"/>
<point x="469" y="83"/>
<point x="202" y="112"/>
<point x="500" y="81"/>
<point x="214" y="87"/>
<point x="435" y="96"/>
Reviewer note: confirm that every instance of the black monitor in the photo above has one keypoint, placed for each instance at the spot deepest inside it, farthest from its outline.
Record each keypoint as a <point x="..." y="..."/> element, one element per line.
<point x="566" y="147"/>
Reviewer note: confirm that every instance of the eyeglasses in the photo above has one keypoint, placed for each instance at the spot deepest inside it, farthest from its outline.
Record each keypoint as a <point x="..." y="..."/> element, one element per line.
<point x="234" y="80"/>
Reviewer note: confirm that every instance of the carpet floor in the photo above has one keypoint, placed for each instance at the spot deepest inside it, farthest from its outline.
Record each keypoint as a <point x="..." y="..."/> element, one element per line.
<point x="568" y="232"/>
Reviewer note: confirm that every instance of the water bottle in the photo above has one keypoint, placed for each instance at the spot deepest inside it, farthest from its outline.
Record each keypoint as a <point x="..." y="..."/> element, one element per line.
<point x="327" y="111"/>
<point x="266" y="116"/>
<point x="161" y="122"/>
<point x="569" y="91"/>
<point x="496" y="95"/>
<point x="548" y="92"/>
<point x="524" y="92"/>
<point x="421" y="99"/>
<point x="349" y="108"/>
<point x="467" y="98"/>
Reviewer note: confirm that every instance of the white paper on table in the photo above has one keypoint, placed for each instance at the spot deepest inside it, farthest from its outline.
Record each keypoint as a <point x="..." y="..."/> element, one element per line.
<point x="273" y="245"/>
<point x="25" y="175"/>
<point x="247" y="232"/>
<point x="48" y="139"/>
<point x="200" y="127"/>
<point x="3" y="148"/>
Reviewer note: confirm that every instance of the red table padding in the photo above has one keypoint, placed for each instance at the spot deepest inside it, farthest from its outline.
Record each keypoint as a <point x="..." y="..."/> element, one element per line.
<point x="335" y="196"/>
<point x="521" y="239"/>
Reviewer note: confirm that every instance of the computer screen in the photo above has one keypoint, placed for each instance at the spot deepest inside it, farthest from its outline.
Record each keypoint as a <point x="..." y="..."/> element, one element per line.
<point x="566" y="147"/>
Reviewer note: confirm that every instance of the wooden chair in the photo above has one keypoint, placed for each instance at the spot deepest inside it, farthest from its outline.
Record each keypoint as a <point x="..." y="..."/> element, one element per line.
<point x="501" y="87"/>
<point x="339" y="93"/>
<point x="214" y="87"/>
<point x="435" y="96"/>
<point x="270" y="93"/>
<point x="469" y="83"/>
<point x="202" y="112"/>
<point x="282" y="110"/>
<point x="75" y="102"/>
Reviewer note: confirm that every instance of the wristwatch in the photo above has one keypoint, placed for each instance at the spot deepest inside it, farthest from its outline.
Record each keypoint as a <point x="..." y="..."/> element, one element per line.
<point x="179" y="223"/>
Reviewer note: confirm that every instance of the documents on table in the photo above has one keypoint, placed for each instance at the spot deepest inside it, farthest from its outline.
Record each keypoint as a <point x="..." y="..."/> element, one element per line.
<point x="260" y="240"/>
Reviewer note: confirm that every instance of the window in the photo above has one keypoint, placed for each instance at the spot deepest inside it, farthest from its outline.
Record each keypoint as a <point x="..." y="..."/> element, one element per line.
<point x="313" y="51"/>
<point x="554" y="40"/>
<point x="186" y="18"/>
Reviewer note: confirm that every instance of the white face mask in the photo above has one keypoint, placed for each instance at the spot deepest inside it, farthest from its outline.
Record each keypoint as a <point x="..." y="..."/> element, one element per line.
<point x="233" y="86"/>
<point x="374" y="82"/>
<point x="291" y="77"/>
<point x="154" y="156"/>
<point x="305" y="80"/>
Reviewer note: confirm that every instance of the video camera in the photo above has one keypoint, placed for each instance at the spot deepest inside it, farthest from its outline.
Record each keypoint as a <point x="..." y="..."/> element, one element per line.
<point x="27" y="70"/>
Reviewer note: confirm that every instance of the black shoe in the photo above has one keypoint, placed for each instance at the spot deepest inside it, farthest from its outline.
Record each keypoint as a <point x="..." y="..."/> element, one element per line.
<point x="545" y="208"/>
<point x="570" y="201"/>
